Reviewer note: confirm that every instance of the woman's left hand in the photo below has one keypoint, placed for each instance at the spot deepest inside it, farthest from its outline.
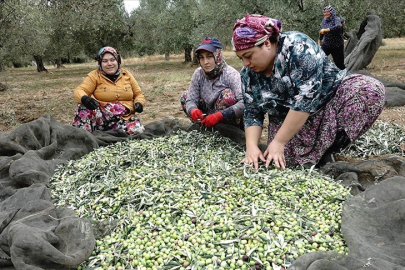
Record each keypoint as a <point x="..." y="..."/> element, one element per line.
<point x="212" y="119"/>
<point x="292" y="124"/>
<point x="275" y="153"/>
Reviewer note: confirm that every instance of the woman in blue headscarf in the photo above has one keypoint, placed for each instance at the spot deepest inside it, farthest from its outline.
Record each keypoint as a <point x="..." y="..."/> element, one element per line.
<point x="330" y="36"/>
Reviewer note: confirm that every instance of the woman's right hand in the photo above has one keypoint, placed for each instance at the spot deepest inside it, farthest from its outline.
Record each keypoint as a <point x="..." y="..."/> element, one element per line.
<point x="252" y="156"/>
<point x="253" y="152"/>
<point x="196" y="115"/>
<point x="89" y="103"/>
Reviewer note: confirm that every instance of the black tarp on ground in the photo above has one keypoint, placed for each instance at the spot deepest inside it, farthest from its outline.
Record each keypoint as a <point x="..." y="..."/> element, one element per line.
<point x="34" y="234"/>
<point x="394" y="91"/>
<point x="374" y="231"/>
<point x="366" y="47"/>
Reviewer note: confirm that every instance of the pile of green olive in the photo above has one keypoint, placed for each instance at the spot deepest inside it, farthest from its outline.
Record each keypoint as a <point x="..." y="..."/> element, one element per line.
<point x="186" y="202"/>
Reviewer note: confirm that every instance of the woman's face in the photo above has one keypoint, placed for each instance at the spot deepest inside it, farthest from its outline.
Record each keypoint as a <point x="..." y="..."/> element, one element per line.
<point x="259" y="59"/>
<point x="207" y="60"/>
<point x="326" y="14"/>
<point x="109" y="64"/>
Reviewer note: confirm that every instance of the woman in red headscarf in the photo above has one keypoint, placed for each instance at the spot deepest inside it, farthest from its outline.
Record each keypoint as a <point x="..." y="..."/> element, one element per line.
<point x="109" y="97"/>
<point x="314" y="108"/>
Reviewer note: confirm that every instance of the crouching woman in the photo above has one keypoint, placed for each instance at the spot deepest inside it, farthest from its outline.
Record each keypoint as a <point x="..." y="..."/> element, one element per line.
<point x="314" y="108"/>
<point x="109" y="97"/>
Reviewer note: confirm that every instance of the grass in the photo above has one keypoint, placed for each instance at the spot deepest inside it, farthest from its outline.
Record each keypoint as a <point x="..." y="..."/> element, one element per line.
<point x="389" y="65"/>
<point x="30" y="94"/>
<point x="393" y="44"/>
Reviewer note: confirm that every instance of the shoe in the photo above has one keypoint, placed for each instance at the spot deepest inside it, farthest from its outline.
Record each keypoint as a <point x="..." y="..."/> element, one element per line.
<point x="326" y="158"/>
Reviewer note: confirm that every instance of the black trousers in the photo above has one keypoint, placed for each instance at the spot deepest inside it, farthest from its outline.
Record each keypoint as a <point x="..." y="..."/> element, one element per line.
<point x="337" y="55"/>
<point x="341" y="141"/>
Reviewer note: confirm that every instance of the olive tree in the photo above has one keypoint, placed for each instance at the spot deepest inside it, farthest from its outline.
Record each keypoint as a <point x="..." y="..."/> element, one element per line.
<point x="56" y="29"/>
<point x="52" y="29"/>
<point x="7" y="17"/>
<point x="185" y="21"/>
<point x="83" y="27"/>
<point x="165" y="26"/>
<point x="147" y="24"/>
<point x="391" y="13"/>
<point x="27" y="31"/>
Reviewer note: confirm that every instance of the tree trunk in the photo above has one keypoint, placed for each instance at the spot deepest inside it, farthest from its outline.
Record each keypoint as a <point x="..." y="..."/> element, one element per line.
<point x="58" y="63"/>
<point x="3" y="87"/>
<point x="195" y="60"/>
<point x="167" y="56"/>
<point x="40" y="63"/>
<point x="187" y="53"/>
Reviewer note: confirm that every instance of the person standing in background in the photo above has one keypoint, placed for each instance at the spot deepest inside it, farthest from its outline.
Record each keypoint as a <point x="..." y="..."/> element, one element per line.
<point x="330" y="36"/>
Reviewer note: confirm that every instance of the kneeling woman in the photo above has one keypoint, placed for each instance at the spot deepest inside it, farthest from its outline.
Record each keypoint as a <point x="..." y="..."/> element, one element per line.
<point x="109" y="97"/>
<point x="314" y="108"/>
<point x="215" y="92"/>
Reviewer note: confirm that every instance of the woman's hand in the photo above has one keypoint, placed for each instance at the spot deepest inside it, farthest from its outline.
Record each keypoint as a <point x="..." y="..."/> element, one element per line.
<point x="196" y="115"/>
<point x="252" y="156"/>
<point x="275" y="153"/>
<point x="138" y="107"/>
<point x="324" y="31"/>
<point x="212" y="119"/>
<point x="291" y="125"/>
<point x="89" y="102"/>
<point x="253" y="152"/>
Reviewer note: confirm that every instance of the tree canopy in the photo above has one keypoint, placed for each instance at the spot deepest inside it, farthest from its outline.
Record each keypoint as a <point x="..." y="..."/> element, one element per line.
<point x="64" y="29"/>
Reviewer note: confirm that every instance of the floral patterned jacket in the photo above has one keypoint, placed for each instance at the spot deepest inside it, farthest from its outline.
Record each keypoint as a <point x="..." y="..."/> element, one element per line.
<point x="303" y="79"/>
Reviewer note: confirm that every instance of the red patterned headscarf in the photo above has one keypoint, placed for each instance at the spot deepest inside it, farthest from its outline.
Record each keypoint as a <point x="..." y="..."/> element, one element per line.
<point x="253" y="30"/>
<point x="114" y="52"/>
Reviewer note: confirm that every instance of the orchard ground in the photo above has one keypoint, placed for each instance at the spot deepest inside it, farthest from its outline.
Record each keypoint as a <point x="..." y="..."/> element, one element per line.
<point x="30" y="95"/>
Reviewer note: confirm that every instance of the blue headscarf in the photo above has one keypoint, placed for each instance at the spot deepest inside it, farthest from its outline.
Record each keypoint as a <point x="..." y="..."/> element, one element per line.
<point x="332" y="21"/>
<point x="332" y="39"/>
